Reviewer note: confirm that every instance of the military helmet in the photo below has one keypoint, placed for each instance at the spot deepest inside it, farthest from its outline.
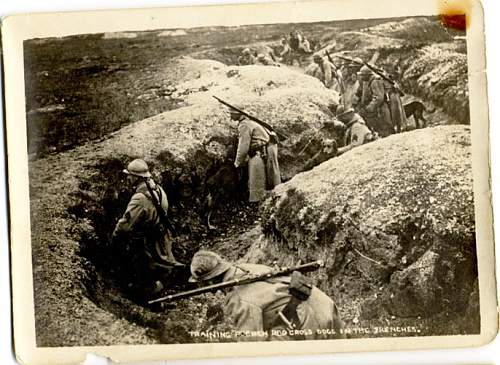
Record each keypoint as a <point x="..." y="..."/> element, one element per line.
<point x="317" y="57"/>
<point x="137" y="167"/>
<point x="344" y="114"/>
<point x="207" y="265"/>
<point x="355" y="63"/>
<point x="365" y="70"/>
<point x="246" y="51"/>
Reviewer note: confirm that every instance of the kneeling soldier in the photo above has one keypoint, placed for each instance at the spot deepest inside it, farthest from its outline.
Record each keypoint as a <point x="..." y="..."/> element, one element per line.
<point x="281" y="308"/>
<point x="356" y="131"/>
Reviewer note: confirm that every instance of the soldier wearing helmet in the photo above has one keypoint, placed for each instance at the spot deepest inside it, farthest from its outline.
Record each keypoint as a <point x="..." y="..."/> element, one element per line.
<point x="266" y="310"/>
<point x="139" y="228"/>
<point x="257" y="148"/>
<point x="373" y="105"/>
<point x="246" y="58"/>
<point x="325" y="71"/>
<point x="350" y="82"/>
<point x="356" y="132"/>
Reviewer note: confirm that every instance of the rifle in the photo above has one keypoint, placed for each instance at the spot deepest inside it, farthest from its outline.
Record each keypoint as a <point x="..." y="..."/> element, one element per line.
<point x="311" y="266"/>
<point x="164" y="221"/>
<point x="341" y="84"/>
<point x="281" y="135"/>
<point x="375" y="70"/>
<point x="164" y="253"/>
<point x="310" y="141"/>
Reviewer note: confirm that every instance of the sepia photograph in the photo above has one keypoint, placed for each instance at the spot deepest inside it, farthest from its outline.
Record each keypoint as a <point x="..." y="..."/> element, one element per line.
<point x="262" y="181"/>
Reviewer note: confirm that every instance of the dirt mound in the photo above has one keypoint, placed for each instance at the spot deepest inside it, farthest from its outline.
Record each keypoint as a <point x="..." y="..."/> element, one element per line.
<point x="414" y="29"/>
<point x="349" y="41"/>
<point x="78" y="195"/>
<point x="292" y="102"/>
<point x="436" y="73"/>
<point x="440" y="75"/>
<point x="394" y="221"/>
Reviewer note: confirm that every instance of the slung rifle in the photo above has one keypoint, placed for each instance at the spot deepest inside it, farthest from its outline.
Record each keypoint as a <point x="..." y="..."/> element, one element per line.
<point x="280" y="135"/>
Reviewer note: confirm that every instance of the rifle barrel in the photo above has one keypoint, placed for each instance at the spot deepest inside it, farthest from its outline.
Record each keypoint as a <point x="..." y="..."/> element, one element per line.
<point x="311" y="266"/>
<point x="255" y="119"/>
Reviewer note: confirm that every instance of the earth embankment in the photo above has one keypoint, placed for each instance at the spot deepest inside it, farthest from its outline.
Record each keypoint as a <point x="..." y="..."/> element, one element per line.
<point x="394" y="221"/>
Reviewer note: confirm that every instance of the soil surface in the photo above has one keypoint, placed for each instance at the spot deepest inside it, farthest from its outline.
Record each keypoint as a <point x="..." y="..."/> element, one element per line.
<point x="95" y="102"/>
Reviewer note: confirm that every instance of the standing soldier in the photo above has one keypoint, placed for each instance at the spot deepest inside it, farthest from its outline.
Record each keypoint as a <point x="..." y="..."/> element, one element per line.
<point x="286" y="55"/>
<point x="350" y="82"/>
<point x="326" y="72"/>
<point x="141" y="229"/>
<point x="268" y="309"/>
<point x="374" y="106"/>
<point x="258" y="146"/>
<point x="394" y="94"/>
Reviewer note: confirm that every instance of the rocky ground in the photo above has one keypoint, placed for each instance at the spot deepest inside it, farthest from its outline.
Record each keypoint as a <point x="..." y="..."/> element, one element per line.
<point x="394" y="218"/>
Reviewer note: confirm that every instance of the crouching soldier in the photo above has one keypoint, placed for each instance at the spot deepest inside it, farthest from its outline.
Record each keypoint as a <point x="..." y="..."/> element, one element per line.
<point x="142" y="233"/>
<point x="356" y="132"/>
<point x="246" y="58"/>
<point x="258" y="146"/>
<point x="280" y="308"/>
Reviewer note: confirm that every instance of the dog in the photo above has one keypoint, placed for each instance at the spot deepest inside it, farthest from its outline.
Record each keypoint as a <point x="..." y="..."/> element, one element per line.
<point x="225" y="184"/>
<point x="417" y="109"/>
<point x="327" y="151"/>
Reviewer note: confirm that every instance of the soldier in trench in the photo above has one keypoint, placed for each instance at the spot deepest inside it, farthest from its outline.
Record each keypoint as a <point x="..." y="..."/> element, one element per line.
<point x="140" y="232"/>
<point x="380" y="104"/>
<point x="356" y="131"/>
<point x="267" y="310"/>
<point x="257" y="148"/>
<point x="326" y="72"/>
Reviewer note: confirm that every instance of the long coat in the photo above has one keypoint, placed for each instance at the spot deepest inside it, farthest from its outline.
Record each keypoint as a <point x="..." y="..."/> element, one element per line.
<point x="255" y="307"/>
<point x="263" y="168"/>
<point x="140" y="225"/>
<point x="398" y="115"/>
<point x="375" y="108"/>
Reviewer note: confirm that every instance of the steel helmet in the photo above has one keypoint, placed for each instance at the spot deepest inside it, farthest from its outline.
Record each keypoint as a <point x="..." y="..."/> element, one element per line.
<point x="317" y="57"/>
<point x="207" y="265"/>
<point x="137" y="167"/>
<point x="365" y="70"/>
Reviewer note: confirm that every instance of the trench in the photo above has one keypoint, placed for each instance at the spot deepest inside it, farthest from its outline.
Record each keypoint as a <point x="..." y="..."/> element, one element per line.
<point x="109" y="282"/>
<point x="103" y="199"/>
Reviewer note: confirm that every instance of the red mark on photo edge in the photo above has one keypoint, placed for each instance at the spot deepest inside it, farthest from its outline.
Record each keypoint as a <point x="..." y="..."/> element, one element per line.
<point x="456" y="21"/>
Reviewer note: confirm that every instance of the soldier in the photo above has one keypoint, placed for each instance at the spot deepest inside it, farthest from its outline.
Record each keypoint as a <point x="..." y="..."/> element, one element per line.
<point x="258" y="147"/>
<point x="374" y="106"/>
<point x="286" y="54"/>
<point x="350" y="82"/>
<point x="299" y="43"/>
<point x="140" y="230"/>
<point x="396" y="106"/>
<point x="356" y="132"/>
<point x="246" y="58"/>
<point x="326" y="72"/>
<point x="266" y="61"/>
<point x="266" y="310"/>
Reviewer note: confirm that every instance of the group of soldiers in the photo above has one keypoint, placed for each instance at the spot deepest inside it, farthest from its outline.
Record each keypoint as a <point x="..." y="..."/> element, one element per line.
<point x="370" y="106"/>
<point x="370" y="93"/>
<point x="293" y="47"/>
